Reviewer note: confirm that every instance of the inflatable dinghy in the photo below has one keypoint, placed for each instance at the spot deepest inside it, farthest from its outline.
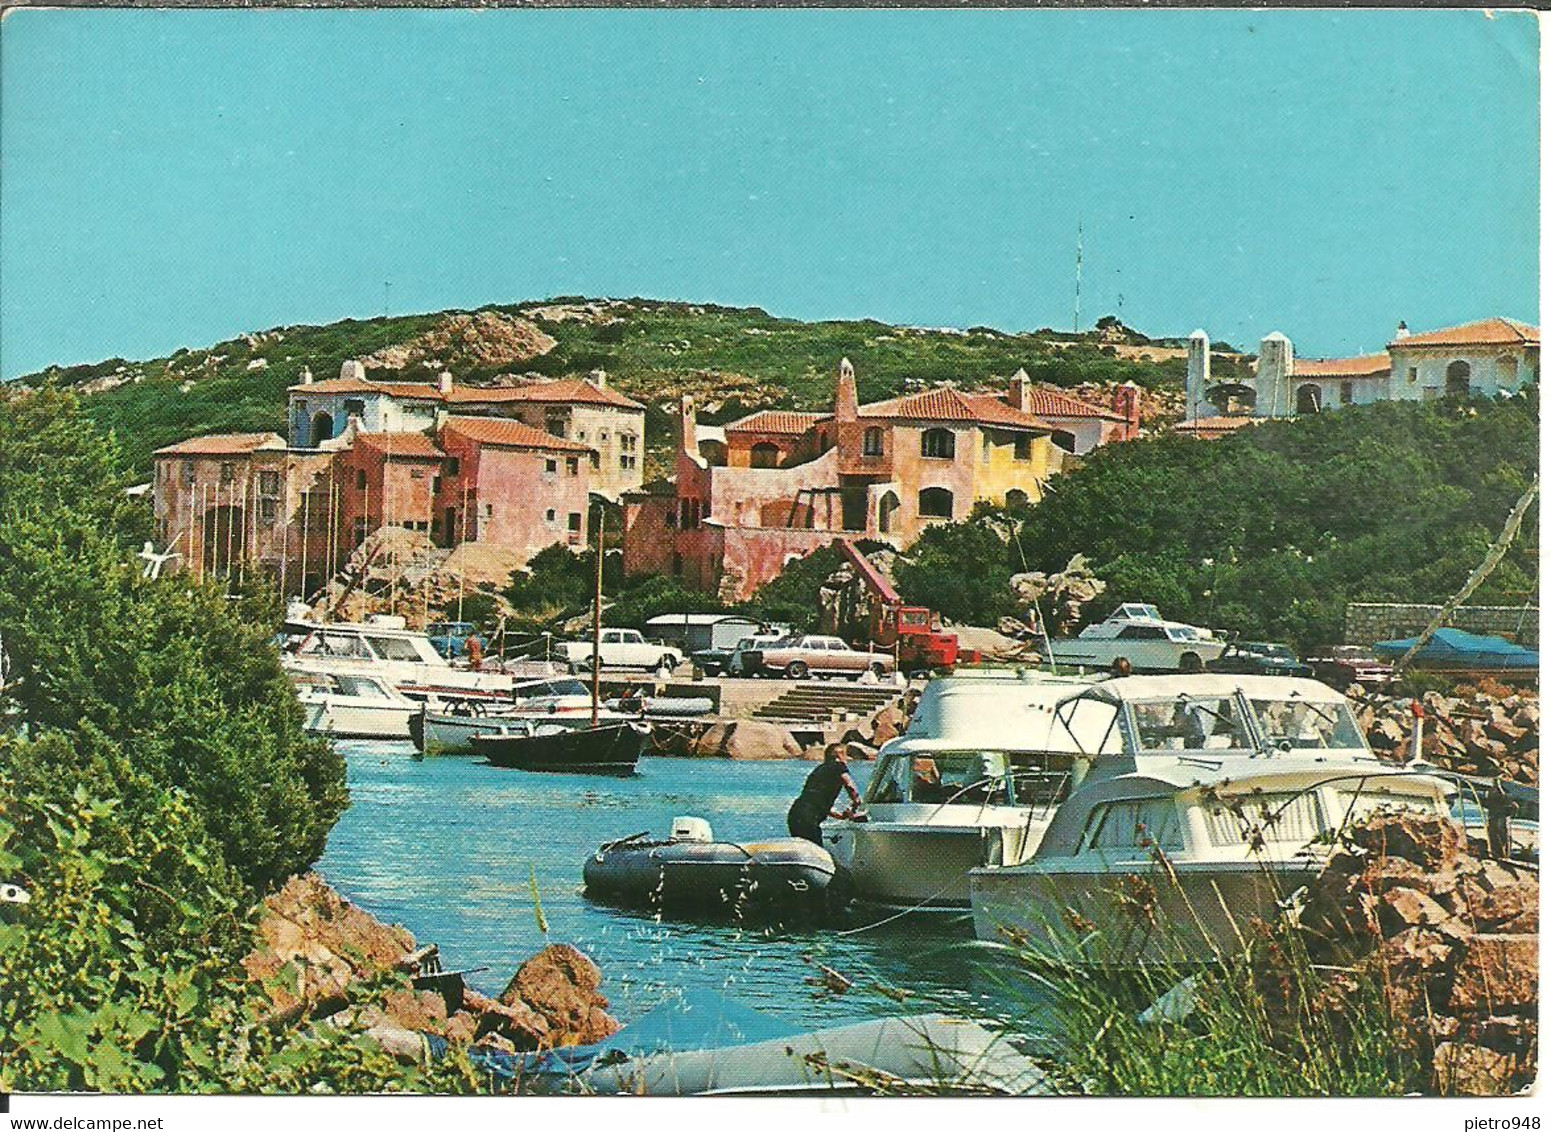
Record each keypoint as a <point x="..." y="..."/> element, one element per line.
<point x="692" y="872"/>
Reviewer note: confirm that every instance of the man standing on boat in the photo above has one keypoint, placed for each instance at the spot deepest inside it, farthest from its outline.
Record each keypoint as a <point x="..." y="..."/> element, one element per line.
<point x="819" y="791"/>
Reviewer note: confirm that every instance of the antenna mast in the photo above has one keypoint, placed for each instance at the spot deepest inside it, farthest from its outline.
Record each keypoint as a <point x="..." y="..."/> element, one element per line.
<point x="1077" y="299"/>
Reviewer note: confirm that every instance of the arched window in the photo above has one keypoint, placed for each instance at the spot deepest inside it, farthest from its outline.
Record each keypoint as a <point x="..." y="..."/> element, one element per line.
<point x="937" y="443"/>
<point x="1017" y="498"/>
<point x="1308" y="398"/>
<point x="872" y="442"/>
<point x="322" y="428"/>
<point x="935" y="502"/>
<point x="1346" y="393"/>
<point x="1456" y="380"/>
<point x="764" y="455"/>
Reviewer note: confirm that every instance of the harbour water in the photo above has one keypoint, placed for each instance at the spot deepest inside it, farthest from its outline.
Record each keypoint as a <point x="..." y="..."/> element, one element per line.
<point x="445" y="847"/>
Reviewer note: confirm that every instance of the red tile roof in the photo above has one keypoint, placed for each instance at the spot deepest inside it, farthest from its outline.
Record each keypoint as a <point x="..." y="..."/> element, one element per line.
<point x="571" y="391"/>
<point x="223" y="444"/>
<point x="568" y="390"/>
<point x="1487" y="332"/>
<point x="1209" y="427"/>
<point x="952" y="405"/>
<point x="1047" y="402"/>
<point x="1370" y="365"/>
<point x="509" y="434"/>
<point x="776" y="420"/>
<point x="406" y="445"/>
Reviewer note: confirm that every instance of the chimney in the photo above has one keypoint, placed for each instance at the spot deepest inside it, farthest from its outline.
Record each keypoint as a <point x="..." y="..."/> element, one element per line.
<point x="306" y="375"/>
<point x="1128" y="403"/>
<point x="1402" y="331"/>
<point x="1198" y="373"/>
<point x="845" y="393"/>
<point x="352" y="370"/>
<point x="687" y="440"/>
<point x="1020" y="392"/>
<point x="1272" y="370"/>
<point x="444" y="383"/>
<point x="599" y="378"/>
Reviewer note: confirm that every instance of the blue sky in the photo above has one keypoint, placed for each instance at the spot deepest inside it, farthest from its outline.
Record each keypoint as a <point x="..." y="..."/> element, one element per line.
<point x="172" y="178"/>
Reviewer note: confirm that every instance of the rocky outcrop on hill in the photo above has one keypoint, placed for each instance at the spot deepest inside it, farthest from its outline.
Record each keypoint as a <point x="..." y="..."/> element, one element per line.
<point x="1488" y="730"/>
<point x="1451" y="939"/>
<point x="747" y="740"/>
<point x="319" y="957"/>
<point x="483" y="340"/>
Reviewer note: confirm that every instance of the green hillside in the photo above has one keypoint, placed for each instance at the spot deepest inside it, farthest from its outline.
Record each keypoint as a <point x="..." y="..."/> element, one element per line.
<point x="731" y="359"/>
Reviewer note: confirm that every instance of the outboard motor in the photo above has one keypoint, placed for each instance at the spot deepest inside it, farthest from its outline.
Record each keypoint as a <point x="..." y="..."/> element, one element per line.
<point x="692" y="829"/>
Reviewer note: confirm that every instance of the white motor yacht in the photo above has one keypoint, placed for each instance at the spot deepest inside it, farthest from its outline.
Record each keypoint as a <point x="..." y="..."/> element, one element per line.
<point x="350" y="705"/>
<point x="1225" y="799"/>
<point x="382" y="646"/>
<point x="973" y="781"/>
<point x="1138" y="633"/>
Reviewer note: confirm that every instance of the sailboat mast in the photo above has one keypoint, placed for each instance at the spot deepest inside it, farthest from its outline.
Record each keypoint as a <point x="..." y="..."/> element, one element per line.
<point x="597" y="621"/>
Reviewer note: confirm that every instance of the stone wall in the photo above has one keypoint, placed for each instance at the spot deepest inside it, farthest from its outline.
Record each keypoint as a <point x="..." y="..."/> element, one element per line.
<point x="1367" y="622"/>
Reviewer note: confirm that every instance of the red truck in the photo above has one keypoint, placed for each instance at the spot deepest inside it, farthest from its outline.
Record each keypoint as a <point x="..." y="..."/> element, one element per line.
<point x="910" y="629"/>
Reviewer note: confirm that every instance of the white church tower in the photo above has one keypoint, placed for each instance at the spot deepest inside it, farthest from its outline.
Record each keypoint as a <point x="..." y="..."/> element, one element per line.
<point x="1273" y="371"/>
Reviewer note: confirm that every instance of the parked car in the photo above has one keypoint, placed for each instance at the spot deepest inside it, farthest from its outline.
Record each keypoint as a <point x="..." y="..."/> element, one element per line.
<point x="716" y="661"/>
<point x="1341" y="666"/>
<point x="1259" y="658"/>
<point x="447" y="637"/>
<point x="621" y="648"/>
<point x="799" y="657"/>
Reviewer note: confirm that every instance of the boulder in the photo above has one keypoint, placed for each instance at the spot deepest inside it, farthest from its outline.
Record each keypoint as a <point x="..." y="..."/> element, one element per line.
<point x="747" y="740"/>
<point x="1431" y="841"/>
<point x="1496" y="971"/>
<point x="1465" y="1069"/>
<point x="888" y="724"/>
<point x="561" y="984"/>
<point x="1403" y="908"/>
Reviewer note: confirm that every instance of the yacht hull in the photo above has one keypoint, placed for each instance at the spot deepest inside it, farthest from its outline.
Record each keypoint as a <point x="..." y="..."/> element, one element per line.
<point x="918" y="865"/>
<point x="1139" y="915"/>
<point x="351" y="721"/>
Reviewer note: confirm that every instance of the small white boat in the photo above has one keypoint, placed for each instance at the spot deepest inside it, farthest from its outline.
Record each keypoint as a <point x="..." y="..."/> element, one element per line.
<point x="353" y="705"/>
<point x="1223" y="802"/>
<point x="1138" y="633"/>
<point x="973" y="781"/>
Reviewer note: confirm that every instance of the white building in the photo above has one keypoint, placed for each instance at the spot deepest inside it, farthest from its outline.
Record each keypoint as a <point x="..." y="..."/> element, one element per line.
<point x="1486" y="358"/>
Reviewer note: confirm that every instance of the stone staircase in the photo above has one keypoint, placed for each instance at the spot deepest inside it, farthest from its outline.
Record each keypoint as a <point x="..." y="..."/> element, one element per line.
<point x="811" y="702"/>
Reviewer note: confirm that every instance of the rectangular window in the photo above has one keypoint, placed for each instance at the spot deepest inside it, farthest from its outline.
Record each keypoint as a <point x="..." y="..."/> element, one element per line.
<point x="626" y="463"/>
<point x="551" y="467"/>
<point x="354" y="407"/>
<point x="452" y="466"/>
<point x="188" y="473"/>
<point x="1136" y="825"/>
<point x="269" y="510"/>
<point x="417" y="473"/>
<point x="1023" y="448"/>
<point x="555" y="425"/>
<point x="1411" y="375"/>
<point x="549" y="516"/>
<point x="574" y="522"/>
<point x="593" y="458"/>
<point x="573" y="466"/>
<point x="269" y="483"/>
<point x="360" y="480"/>
<point x="436" y="484"/>
<point x="1346" y="393"/>
<point x="228" y="473"/>
<point x="489" y="510"/>
<point x="627" y="441"/>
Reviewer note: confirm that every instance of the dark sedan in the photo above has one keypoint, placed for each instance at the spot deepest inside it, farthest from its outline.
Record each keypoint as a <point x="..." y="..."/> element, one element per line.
<point x="1259" y="658"/>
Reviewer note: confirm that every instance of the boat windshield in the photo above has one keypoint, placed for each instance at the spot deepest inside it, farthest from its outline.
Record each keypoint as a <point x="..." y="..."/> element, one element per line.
<point x="336" y="644"/>
<point x="971" y="778"/>
<point x="395" y="648"/>
<point x="361" y="686"/>
<point x="552" y="688"/>
<point x="1184" y="723"/>
<point x="1183" y="633"/>
<point x="1301" y="725"/>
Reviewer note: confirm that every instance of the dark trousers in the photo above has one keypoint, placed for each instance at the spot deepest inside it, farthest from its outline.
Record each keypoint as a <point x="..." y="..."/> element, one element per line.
<point x="803" y="822"/>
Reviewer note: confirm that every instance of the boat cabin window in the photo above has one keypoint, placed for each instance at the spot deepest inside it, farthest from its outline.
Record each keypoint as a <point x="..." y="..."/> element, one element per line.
<point x="395" y="648"/>
<point x="552" y="688"/>
<point x="1300" y="725"/>
<point x="1282" y="819"/>
<point x="1353" y="803"/>
<point x="1190" y="723"/>
<point x="971" y="778"/>
<point x="360" y="686"/>
<point x="1143" y="823"/>
<point x="337" y="644"/>
<point x="1087" y="726"/>
<point x="1144" y="633"/>
<point x="1138" y="611"/>
<point x="1183" y="633"/>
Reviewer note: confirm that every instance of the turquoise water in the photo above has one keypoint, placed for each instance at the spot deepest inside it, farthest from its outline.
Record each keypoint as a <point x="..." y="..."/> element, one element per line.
<point x="444" y="847"/>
